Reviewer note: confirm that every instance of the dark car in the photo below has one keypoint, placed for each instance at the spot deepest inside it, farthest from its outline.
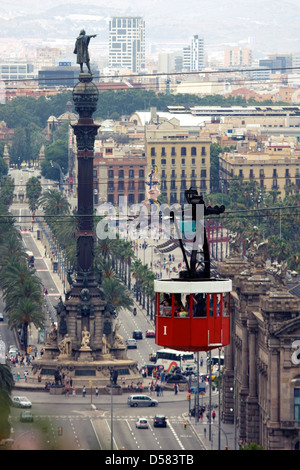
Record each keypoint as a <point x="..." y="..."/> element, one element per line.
<point x="160" y="421"/>
<point x="137" y="334"/>
<point x="176" y="378"/>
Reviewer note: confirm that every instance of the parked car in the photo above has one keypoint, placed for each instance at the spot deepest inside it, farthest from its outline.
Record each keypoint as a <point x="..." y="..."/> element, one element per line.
<point x="137" y="334"/>
<point x="131" y="343"/>
<point x="142" y="423"/>
<point x="176" y="378"/>
<point x="26" y="417"/>
<point x="150" y="334"/>
<point x="160" y="421"/>
<point x="141" y="400"/>
<point x="21" y="402"/>
<point x="1" y="317"/>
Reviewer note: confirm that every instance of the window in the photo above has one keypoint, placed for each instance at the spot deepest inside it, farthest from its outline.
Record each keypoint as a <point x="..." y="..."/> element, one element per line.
<point x="183" y="151"/>
<point x="131" y="173"/>
<point x="121" y="173"/>
<point x="193" y="151"/>
<point x="110" y="173"/>
<point x="141" y="173"/>
<point x="153" y="152"/>
<point x="163" y="152"/>
<point x="203" y="151"/>
<point x="173" y="152"/>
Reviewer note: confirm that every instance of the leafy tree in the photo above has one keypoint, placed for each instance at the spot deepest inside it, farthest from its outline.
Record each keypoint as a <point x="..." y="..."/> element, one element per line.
<point x="7" y="192"/>
<point x="57" y="152"/>
<point x="6" y="386"/>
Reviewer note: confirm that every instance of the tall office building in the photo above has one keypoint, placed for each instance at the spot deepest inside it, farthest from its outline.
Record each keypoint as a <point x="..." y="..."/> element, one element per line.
<point x="193" y="55"/>
<point x="127" y="43"/>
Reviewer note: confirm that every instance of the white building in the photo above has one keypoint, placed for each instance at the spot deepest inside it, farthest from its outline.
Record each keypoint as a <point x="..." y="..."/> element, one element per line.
<point x="193" y="55"/>
<point x="127" y="43"/>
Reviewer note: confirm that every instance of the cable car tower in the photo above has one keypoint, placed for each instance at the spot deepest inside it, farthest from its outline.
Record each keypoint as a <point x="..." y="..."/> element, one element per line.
<point x="192" y="312"/>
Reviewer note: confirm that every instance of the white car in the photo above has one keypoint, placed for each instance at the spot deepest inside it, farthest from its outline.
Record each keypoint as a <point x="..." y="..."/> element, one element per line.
<point x="1" y="317"/>
<point x="142" y="423"/>
<point x="21" y="402"/>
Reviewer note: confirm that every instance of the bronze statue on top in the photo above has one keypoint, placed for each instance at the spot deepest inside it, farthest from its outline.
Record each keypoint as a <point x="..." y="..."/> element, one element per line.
<point x="81" y="49"/>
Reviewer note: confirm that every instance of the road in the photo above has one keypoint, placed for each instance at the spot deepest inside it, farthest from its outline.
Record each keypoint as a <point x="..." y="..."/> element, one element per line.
<point x="70" y="423"/>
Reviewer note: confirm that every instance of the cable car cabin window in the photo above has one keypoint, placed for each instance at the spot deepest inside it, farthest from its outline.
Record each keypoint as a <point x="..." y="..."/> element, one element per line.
<point x="226" y="304"/>
<point x="199" y="305"/>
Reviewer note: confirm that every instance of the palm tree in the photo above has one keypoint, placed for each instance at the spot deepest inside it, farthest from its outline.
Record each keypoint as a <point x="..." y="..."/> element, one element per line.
<point x="24" y="312"/>
<point x="54" y="203"/>
<point x="116" y="294"/>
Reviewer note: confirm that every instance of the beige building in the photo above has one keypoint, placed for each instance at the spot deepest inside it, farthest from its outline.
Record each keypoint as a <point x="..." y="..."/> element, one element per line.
<point x="237" y="56"/>
<point x="182" y="157"/>
<point x="275" y="168"/>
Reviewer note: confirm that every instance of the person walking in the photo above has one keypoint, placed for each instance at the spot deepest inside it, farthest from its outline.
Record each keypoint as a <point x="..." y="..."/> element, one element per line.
<point x="83" y="391"/>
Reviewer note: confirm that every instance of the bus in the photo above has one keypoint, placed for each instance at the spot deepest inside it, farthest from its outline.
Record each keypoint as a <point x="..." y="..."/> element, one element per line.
<point x="30" y="258"/>
<point x="169" y="359"/>
<point x="215" y="363"/>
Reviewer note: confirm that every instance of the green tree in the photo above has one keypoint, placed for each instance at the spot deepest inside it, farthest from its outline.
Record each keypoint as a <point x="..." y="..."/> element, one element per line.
<point x="57" y="152"/>
<point x="6" y="386"/>
<point x="116" y="294"/>
<point x="54" y="203"/>
<point x="33" y="192"/>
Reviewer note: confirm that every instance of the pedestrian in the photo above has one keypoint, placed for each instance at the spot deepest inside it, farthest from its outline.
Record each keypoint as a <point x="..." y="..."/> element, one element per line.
<point x="175" y="389"/>
<point x="97" y="391"/>
<point x="213" y="415"/>
<point x="67" y="390"/>
<point x="83" y="391"/>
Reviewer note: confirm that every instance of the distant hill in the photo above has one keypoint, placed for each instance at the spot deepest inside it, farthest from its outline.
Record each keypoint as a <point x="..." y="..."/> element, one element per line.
<point x="269" y="26"/>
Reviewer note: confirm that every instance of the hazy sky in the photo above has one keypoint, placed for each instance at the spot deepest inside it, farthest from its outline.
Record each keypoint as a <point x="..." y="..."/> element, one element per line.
<point x="265" y="25"/>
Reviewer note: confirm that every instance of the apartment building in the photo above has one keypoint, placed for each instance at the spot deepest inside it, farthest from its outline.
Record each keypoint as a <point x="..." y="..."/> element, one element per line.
<point x="119" y="170"/>
<point x="276" y="168"/>
<point x="193" y="55"/>
<point x="127" y="43"/>
<point x="238" y="56"/>
<point x="16" y="71"/>
<point x="182" y="157"/>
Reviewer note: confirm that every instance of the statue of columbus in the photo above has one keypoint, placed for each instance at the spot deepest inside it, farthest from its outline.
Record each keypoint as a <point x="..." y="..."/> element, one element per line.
<point x="81" y="49"/>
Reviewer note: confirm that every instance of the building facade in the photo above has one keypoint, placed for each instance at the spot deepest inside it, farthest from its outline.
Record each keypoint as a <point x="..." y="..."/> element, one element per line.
<point x="277" y="168"/>
<point x="119" y="171"/>
<point x="181" y="156"/>
<point x="127" y="43"/>
<point x="238" y="57"/>
<point x="193" y="55"/>
<point x="261" y="375"/>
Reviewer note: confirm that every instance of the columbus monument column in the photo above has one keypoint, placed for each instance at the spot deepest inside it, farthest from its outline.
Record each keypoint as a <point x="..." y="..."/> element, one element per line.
<point x="86" y="344"/>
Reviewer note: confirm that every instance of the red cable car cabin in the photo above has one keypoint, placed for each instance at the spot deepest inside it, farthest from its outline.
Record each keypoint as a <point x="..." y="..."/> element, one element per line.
<point x="192" y="314"/>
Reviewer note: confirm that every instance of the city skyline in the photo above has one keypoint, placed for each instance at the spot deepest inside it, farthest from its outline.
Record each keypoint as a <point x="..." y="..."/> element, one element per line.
<point x="271" y="27"/>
